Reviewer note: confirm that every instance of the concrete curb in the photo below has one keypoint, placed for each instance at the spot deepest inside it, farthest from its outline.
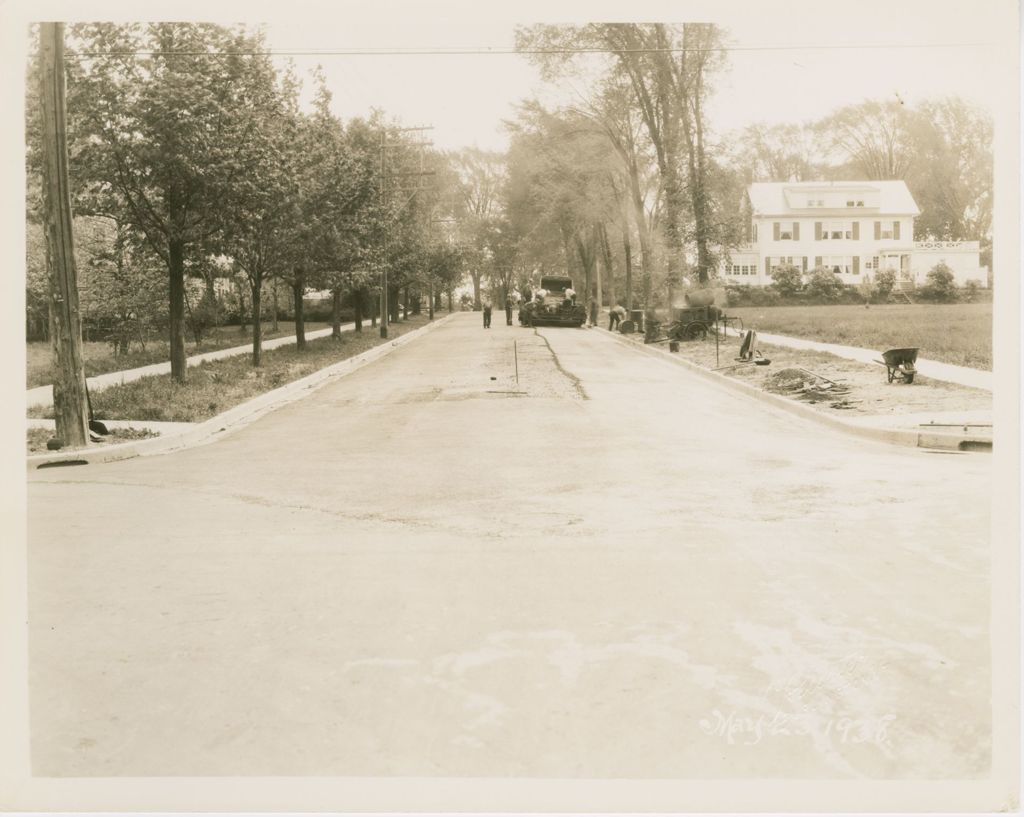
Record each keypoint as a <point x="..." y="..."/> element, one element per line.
<point x="893" y="436"/>
<point x="237" y="417"/>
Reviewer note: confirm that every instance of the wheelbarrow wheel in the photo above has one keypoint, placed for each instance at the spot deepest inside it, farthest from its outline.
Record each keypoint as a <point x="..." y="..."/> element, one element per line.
<point x="908" y="377"/>
<point x="695" y="331"/>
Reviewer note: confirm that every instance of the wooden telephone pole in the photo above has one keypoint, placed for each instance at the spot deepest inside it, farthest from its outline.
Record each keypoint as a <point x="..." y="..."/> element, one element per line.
<point x="70" y="401"/>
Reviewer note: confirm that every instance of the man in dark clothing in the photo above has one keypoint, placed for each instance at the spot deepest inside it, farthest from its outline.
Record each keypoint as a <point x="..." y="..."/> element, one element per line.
<point x="508" y="311"/>
<point x="615" y="316"/>
<point x="487" y="315"/>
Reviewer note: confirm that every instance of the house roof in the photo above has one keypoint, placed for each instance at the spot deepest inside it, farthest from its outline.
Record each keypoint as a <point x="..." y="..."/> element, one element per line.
<point x="770" y="198"/>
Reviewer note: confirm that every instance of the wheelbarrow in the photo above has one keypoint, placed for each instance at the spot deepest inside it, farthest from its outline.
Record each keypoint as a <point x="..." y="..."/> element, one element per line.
<point x="900" y="363"/>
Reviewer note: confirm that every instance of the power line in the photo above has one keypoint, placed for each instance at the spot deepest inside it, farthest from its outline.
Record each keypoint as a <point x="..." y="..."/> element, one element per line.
<point x="505" y="51"/>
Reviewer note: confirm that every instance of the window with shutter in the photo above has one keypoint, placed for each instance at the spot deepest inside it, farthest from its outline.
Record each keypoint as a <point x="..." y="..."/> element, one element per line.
<point x="817" y="261"/>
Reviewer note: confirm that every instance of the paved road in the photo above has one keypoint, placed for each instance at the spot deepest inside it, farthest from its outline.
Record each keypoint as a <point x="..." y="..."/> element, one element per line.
<point x="609" y="569"/>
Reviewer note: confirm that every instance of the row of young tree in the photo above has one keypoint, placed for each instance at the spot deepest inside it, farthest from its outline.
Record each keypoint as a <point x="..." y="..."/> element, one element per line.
<point x="628" y="187"/>
<point x="191" y="158"/>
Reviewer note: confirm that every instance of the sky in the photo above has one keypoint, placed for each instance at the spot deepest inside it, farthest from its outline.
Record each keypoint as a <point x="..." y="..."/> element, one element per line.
<point x="791" y="63"/>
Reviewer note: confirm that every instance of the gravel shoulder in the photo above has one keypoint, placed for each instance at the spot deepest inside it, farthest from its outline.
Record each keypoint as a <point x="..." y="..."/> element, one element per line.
<point x="862" y="390"/>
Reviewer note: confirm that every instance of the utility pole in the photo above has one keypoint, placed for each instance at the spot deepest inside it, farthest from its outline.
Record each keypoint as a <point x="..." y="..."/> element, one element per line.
<point x="70" y="400"/>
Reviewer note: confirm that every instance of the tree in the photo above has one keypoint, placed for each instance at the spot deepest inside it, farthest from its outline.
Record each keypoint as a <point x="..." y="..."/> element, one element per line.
<point x="481" y="174"/>
<point x="952" y="175"/>
<point x="260" y="206"/>
<point x="775" y="153"/>
<point x="160" y="138"/>
<point x="873" y="139"/>
<point x="669" y="70"/>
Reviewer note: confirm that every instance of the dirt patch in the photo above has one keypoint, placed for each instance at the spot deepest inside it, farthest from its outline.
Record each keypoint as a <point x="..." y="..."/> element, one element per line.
<point x="831" y="384"/>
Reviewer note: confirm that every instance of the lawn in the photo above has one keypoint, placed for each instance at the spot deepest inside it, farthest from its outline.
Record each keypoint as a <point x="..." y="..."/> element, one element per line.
<point x="216" y="386"/>
<point x="100" y="357"/>
<point x="953" y="333"/>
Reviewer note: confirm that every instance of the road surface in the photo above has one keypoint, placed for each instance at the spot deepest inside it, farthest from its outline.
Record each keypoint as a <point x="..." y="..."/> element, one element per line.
<point x="611" y="568"/>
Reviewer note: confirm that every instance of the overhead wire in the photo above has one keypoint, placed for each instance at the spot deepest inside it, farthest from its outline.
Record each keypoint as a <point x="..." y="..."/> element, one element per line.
<point x="506" y="51"/>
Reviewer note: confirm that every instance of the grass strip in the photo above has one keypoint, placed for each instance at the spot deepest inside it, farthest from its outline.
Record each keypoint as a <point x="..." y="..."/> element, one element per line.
<point x="101" y="358"/>
<point x="216" y="386"/>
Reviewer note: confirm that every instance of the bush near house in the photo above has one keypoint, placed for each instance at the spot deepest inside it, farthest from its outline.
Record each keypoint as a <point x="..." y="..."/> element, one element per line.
<point x="940" y="287"/>
<point x="787" y="280"/>
<point x="824" y="286"/>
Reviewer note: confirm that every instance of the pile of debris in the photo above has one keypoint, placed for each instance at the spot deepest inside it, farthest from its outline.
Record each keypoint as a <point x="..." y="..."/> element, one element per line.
<point x="803" y="384"/>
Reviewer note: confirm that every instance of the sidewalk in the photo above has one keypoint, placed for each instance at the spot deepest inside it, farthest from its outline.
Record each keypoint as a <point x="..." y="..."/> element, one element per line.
<point x="43" y="395"/>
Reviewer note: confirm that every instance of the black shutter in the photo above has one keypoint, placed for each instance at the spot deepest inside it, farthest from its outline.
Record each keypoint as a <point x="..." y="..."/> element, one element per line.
<point x="856" y="230"/>
<point x="775" y="230"/>
<point x="796" y="230"/>
<point x="878" y="230"/>
<point x="817" y="231"/>
<point x="895" y="229"/>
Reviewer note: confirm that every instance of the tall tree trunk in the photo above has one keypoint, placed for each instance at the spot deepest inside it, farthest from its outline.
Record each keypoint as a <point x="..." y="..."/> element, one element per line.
<point x="597" y="269"/>
<point x="176" y="270"/>
<point x="374" y="309"/>
<point x="275" y="327"/>
<point x="609" y="265"/>
<point x="405" y="304"/>
<point x="336" y="313"/>
<point x="70" y="399"/>
<point x="394" y="304"/>
<point x="357" y="309"/>
<point x="242" y="322"/>
<point x="256" y="290"/>
<point x="627" y="250"/>
<point x="475" y="276"/>
<point x="298" y="292"/>
<point x="430" y="316"/>
<point x="451" y="300"/>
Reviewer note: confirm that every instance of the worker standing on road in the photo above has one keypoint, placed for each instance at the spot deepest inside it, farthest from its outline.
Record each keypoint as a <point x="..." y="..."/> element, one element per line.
<point x="616" y="315"/>
<point x="487" y="314"/>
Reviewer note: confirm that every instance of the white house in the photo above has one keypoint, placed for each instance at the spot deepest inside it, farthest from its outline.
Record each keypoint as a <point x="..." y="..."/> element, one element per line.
<point x="853" y="228"/>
